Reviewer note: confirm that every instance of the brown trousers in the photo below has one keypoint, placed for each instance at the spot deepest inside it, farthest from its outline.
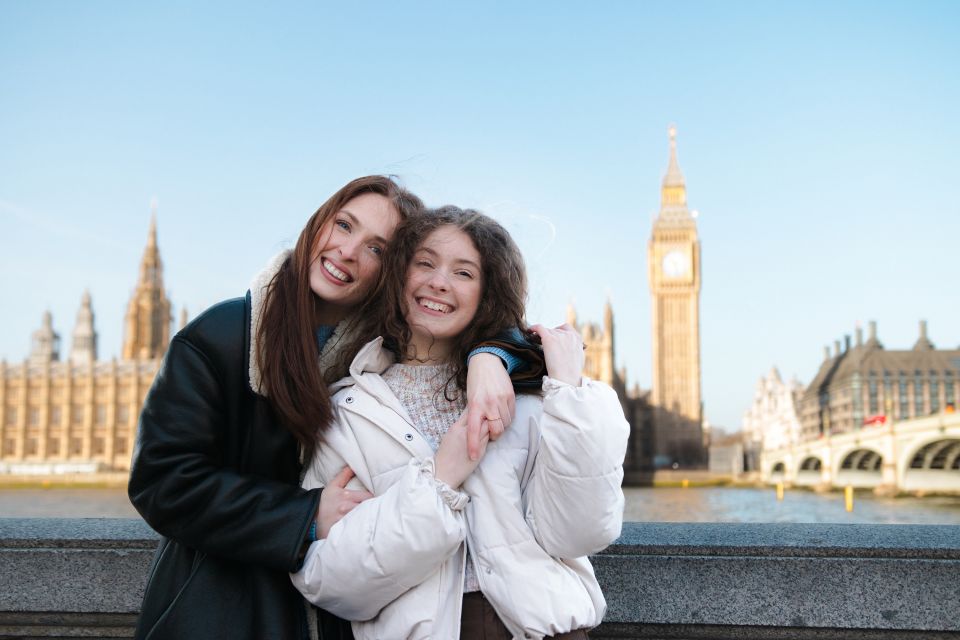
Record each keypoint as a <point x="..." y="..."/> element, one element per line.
<point x="480" y="622"/>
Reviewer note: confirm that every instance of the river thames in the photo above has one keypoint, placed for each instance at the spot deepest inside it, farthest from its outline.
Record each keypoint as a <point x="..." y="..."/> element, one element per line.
<point x="701" y="504"/>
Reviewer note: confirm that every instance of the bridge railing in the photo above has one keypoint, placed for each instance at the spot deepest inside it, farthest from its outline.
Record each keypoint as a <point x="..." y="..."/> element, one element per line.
<point x="62" y="578"/>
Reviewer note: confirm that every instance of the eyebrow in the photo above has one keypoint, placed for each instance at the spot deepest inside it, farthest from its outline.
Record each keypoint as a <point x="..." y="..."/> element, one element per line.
<point x="458" y="261"/>
<point x="356" y="223"/>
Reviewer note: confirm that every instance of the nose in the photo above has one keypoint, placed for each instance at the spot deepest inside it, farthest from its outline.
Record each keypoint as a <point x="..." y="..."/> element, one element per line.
<point x="439" y="281"/>
<point x="349" y="249"/>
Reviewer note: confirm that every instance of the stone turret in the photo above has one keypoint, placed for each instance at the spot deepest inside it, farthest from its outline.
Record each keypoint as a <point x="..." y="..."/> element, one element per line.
<point x="46" y="342"/>
<point x="83" y="349"/>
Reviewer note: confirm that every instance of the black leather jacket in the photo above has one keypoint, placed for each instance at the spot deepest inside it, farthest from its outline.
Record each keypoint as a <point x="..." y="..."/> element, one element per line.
<point x="217" y="476"/>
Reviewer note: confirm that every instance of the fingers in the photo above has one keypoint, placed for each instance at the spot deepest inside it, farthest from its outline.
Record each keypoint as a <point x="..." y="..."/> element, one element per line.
<point x="341" y="479"/>
<point x="484" y="441"/>
<point x="356" y="495"/>
<point x="475" y="428"/>
<point x="350" y="500"/>
<point x="494" y="428"/>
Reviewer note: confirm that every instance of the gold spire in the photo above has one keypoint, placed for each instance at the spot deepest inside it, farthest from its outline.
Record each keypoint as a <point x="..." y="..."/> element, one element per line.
<point x="673" y="193"/>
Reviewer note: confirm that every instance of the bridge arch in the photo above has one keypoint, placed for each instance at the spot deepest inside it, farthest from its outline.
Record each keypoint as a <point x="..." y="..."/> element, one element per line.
<point x="862" y="460"/>
<point x="810" y="472"/>
<point x="934" y="465"/>
<point x="860" y="467"/>
<point x="778" y="471"/>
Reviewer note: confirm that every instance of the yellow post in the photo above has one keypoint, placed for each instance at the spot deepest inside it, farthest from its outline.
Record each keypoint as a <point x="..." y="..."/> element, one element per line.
<point x="848" y="497"/>
<point x="779" y="491"/>
<point x="685" y="484"/>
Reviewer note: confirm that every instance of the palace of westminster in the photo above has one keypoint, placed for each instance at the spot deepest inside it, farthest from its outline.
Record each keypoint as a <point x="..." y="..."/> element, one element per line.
<point x="79" y="414"/>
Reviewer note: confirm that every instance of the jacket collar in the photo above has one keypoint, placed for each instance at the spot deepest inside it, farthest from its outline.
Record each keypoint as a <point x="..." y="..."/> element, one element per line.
<point x="372" y="358"/>
<point x="258" y="293"/>
<point x="365" y="375"/>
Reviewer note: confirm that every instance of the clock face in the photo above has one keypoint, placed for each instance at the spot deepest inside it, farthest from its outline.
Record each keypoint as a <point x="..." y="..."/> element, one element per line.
<point x="675" y="264"/>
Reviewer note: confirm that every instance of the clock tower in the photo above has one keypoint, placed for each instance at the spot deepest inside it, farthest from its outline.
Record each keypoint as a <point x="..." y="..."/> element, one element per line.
<point x="673" y="259"/>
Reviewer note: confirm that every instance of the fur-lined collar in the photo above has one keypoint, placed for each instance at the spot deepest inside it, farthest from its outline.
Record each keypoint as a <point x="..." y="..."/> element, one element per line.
<point x="343" y="333"/>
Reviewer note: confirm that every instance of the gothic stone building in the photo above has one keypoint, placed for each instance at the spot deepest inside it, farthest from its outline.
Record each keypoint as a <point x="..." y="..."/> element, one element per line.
<point x="771" y="422"/>
<point x="80" y="414"/>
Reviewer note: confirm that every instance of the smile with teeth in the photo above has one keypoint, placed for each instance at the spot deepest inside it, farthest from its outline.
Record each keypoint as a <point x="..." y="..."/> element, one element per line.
<point x="435" y="306"/>
<point x="336" y="273"/>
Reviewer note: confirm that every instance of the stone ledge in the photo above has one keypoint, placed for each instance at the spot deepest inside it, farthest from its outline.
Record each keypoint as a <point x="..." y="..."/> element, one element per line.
<point x="789" y="540"/>
<point x="85" y="578"/>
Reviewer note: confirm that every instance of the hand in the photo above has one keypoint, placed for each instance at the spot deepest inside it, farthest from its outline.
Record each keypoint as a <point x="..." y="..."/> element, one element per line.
<point x="452" y="464"/>
<point x="337" y="501"/>
<point x="562" y="352"/>
<point x="490" y="401"/>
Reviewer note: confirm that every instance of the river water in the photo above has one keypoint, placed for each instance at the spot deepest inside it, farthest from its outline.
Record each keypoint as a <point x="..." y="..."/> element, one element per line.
<point x="702" y="504"/>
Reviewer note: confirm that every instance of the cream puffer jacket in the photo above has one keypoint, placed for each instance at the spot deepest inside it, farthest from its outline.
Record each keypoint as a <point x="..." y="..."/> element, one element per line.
<point x="545" y="495"/>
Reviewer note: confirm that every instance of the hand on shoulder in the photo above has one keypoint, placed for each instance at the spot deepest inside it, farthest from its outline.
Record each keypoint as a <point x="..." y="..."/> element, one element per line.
<point x="563" y="352"/>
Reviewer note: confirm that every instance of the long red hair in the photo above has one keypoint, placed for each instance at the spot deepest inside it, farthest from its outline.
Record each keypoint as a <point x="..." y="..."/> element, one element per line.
<point x="287" y="353"/>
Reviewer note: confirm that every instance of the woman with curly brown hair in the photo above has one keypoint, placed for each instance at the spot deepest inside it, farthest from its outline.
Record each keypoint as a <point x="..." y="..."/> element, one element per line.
<point x="452" y="546"/>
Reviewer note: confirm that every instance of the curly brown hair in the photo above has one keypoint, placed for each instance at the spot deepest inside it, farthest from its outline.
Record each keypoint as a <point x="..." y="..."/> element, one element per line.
<point x="295" y="386"/>
<point x="502" y="299"/>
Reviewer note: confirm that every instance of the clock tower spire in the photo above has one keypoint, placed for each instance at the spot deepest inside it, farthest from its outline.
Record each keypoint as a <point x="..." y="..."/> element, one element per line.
<point x="673" y="192"/>
<point x="673" y="258"/>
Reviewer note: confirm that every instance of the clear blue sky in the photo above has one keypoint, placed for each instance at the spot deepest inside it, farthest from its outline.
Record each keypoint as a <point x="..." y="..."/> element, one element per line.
<point x="819" y="141"/>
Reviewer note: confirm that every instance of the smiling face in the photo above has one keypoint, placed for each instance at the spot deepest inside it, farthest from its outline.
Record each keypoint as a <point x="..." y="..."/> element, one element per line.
<point x="346" y="260"/>
<point x="442" y="292"/>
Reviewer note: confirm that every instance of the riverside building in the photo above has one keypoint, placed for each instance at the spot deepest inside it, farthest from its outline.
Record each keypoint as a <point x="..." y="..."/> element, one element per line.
<point x="79" y="414"/>
<point x="864" y="385"/>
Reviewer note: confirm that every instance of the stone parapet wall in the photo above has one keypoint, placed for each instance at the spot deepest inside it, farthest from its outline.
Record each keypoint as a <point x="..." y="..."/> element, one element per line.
<point x="85" y="578"/>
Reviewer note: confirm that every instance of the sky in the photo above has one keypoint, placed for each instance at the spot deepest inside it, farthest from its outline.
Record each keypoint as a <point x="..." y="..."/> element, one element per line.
<point x="818" y="140"/>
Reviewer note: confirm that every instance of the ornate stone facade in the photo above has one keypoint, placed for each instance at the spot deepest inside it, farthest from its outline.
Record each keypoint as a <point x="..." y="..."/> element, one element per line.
<point x="674" y="274"/>
<point x="771" y="422"/>
<point x="864" y="385"/>
<point x="81" y="415"/>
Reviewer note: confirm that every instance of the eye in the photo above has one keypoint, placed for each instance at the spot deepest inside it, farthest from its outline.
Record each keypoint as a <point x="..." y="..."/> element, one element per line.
<point x="465" y="274"/>
<point x="343" y="224"/>
<point x="376" y="250"/>
<point x="423" y="263"/>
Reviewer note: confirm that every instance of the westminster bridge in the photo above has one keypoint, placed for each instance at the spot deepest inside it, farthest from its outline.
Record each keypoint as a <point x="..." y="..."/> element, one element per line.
<point x="918" y="455"/>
